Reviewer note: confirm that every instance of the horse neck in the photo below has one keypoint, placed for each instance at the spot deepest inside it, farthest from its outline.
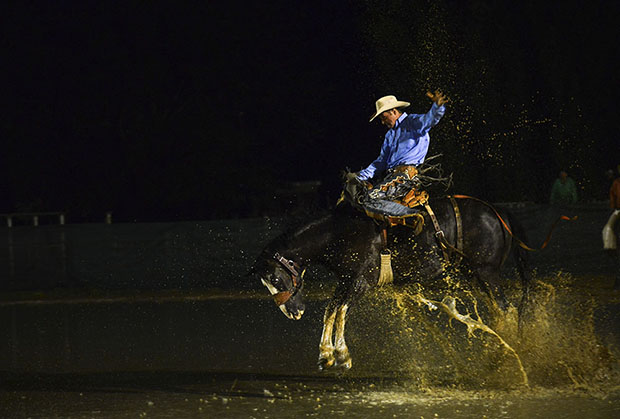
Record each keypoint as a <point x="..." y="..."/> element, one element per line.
<point x="341" y="235"/>
<point x="309" y="240"/>
<point x="328" y="239"/>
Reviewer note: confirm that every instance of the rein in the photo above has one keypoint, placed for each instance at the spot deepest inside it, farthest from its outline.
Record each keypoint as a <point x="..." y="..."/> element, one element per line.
<point x="519" y="242"/>
<point x="296" y="279"/>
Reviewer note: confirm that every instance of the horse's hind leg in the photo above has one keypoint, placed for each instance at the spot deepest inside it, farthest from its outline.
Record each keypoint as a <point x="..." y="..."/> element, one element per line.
<point x="490" y="280"/>
<point x="343" y="358"/>
<point x="525" y="305"/>
<point x="326" y="347"/>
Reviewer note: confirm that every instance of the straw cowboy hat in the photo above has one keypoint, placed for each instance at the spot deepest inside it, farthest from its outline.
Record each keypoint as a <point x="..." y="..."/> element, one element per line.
<point x="386" y="103"/>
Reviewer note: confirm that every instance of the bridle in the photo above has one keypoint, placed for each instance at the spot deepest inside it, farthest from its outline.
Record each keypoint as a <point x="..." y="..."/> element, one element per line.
<point x="296" y="279"/>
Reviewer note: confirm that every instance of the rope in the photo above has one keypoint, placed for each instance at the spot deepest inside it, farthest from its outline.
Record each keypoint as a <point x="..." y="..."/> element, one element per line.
<point x="519" y="241"/>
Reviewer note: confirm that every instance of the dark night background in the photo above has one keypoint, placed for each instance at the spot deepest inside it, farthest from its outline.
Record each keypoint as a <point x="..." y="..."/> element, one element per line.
<point x="161" y="111"/>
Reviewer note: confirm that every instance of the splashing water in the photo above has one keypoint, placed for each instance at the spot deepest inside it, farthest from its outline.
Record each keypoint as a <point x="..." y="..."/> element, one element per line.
<point x="566" y="340"/>
<point x="448" y="305"/>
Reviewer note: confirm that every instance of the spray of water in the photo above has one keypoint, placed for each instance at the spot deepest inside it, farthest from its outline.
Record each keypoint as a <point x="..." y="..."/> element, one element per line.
<point x="456" y="339"/>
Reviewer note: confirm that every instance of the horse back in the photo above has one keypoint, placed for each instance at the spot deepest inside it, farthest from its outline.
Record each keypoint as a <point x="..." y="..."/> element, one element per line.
<point x="485" y="237"/>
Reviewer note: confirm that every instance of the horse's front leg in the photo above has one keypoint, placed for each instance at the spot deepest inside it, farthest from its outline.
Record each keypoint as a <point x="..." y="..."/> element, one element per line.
<point x="336" y="316"/>
<point x="343" y="358"/>
<point x="331" y="354"/>
<point x="326" y="347"/>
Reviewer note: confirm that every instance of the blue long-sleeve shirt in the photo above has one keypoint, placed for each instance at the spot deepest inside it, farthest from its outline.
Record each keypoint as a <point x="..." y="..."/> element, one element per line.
<point x="405" y="143"/>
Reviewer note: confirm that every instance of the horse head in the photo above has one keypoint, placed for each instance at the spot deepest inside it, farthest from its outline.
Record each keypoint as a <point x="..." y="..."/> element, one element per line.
<point x="284" y="279"/>
<point x="354" y="190"/>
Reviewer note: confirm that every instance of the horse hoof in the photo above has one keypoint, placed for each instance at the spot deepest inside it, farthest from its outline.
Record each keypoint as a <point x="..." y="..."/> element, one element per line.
<point x="343" y="360"/>
<point x="325" y="363"/>
<point x="345" y="364"/>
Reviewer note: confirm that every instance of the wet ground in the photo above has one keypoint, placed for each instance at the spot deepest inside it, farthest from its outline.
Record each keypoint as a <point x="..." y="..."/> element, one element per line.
<point x="230" y="353"/>
<point x="238" y="395"/>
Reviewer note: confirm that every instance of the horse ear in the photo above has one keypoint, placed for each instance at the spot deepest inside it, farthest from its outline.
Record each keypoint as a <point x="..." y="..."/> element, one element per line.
<point x="345" y="174"/>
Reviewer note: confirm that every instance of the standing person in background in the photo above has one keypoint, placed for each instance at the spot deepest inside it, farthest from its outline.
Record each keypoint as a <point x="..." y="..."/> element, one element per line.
<point x="609" y="235"/>
<point x="564" y="190"/>
<point x="610" y="243"/>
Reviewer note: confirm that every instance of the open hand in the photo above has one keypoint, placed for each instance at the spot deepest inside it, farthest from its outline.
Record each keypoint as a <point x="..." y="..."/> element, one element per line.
<point x="438" y="97"/>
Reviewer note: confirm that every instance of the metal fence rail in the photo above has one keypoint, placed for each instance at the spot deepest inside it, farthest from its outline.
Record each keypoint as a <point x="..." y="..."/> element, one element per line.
<point x="32" y="217"/>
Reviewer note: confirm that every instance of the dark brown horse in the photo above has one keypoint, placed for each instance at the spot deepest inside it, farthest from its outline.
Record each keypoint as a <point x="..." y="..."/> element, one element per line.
<point x="349" y="243"/>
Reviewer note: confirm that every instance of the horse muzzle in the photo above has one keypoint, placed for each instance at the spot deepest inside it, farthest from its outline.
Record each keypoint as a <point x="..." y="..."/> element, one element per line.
<point x="292" y="314"/>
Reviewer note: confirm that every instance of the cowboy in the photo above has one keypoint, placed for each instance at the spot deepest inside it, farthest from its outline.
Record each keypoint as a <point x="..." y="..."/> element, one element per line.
<point x="405" y="144"/>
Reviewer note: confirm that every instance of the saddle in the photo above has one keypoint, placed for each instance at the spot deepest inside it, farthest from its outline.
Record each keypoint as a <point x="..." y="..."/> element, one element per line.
<point x="405" y="209"/>
<point x="393" y="201"/>
<point x="402" y="186"/>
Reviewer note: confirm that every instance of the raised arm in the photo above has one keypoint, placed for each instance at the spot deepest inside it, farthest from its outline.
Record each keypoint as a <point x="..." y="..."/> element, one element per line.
<point x="432" y="117"/>
<point x="438" y="97"/>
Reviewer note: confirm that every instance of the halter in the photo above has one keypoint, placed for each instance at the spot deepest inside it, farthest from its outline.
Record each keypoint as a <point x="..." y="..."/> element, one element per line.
<point x="293" y="268"/>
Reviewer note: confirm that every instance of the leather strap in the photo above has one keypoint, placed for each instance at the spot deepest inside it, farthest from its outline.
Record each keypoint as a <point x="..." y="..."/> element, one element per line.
<point x="438" y="232"/>
<point x="384" y="236"/>
<point x="459" y="228"/>
<point x="296" y="279"/>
